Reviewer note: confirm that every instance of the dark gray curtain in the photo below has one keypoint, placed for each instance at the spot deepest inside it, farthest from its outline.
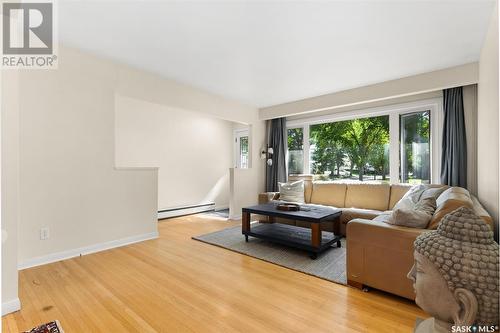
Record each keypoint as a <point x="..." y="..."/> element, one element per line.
<point x="277" y="140"/>
<point x="454" y="155"/>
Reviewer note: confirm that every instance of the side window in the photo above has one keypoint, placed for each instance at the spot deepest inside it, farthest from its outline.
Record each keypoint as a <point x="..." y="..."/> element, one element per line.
<point x="415" y="151"/>
<point x="295" y="151"/>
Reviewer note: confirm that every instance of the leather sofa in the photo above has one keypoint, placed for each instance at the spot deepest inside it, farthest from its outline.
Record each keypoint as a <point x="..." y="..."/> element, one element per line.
<point x="357" y="200"/>
<point x="379" y="254"/>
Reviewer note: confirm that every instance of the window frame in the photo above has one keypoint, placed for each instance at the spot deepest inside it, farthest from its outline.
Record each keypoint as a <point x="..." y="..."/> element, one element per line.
<point x="303" y="147"/>
<point x="401" y="144"/>
<point x="394" y="111"/>
<point x="237" y="135"/>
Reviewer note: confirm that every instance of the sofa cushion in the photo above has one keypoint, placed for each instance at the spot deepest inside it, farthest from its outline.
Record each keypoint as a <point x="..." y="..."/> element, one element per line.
<point x="384" y="217"/>
<point x="368" y="196"/>
<point x="397" y="192"/>
<point x="448" y="201"/>
<point x="349" y="214"/>
<point x="292" y="191"/>
<point x="329" y="194"/>
<point x="358" y="213"/>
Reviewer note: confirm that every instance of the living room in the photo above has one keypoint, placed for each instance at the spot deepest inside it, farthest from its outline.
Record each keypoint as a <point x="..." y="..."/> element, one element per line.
<point x="250" y="166"/>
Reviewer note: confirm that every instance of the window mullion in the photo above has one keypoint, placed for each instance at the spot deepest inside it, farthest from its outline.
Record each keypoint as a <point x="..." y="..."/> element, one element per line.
<point x="394" y="150"/>
<point x="306" y="146"/>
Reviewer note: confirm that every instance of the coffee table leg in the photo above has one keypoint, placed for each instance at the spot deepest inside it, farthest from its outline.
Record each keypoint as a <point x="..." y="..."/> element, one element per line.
<point x="316" y="235"/>
<point x="245" y="224"/>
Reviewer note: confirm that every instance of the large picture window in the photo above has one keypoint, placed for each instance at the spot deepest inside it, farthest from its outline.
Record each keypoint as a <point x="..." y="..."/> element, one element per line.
<point x="355" y="149"/>
<point x="391" y="145"/>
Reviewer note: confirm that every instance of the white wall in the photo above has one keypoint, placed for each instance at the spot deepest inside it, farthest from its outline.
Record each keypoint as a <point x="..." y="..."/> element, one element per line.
<point x="245" y="184"/>
<point x="68" y="178"/>
<point x="193" y="151"/>
<point x="411" y="85"/>
<point x="370" y="105"/>
<point x="9" y="130"/>
<point x="10" y="188"/>
<point x="148" y="87"/>
<point x="488" y="140"/>
<point x="470" y="114"/>
<point x="68" y="182"/>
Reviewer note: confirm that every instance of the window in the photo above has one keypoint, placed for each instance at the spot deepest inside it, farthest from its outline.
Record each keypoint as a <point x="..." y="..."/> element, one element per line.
<point x="355" y="149"/>
<point x="244" y="152"/>
<point x="397" y="143"/>
<point x="241" y="149"/>
<point x="295" y="151"/>
<point x="415" y="157"/>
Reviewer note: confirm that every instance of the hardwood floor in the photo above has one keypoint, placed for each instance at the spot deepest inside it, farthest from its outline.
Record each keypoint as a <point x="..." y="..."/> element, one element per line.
<point x="176" y="284"/>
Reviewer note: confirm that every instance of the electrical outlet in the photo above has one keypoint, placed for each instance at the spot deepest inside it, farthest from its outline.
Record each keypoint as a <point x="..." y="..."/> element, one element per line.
<point x="44" y="233"/>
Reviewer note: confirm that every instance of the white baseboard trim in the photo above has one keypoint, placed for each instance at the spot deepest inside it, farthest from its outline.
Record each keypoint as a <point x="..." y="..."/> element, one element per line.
<point x="11" y="306"/>
<point x="187" y="210"/>
<point x="58" y="256"/>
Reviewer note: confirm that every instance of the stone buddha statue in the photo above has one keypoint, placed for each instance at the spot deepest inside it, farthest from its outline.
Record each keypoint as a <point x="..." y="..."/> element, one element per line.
<point x="455" y="274"/>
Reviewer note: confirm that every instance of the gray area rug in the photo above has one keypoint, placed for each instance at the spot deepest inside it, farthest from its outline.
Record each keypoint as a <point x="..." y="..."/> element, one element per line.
<point x="330" y="265"/>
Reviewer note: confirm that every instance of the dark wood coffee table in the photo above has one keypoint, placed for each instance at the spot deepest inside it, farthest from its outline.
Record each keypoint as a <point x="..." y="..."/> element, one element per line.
<point x="312" y="240"/>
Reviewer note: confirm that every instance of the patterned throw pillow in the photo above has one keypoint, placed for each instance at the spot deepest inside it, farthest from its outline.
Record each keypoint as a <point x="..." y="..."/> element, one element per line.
<point x="434" y="192"/>
<point x="417" y="217"/>
<point x="292" y="192"/>
<point x="409" y="200"/>
<point x="417" y="193"/>
<point x="427" y="205"/>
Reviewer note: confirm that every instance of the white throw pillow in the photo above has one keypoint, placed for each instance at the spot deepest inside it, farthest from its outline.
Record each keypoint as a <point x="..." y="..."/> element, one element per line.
<point x="434" y="192"/>
<point x="417" y="217"/>
<point x="292" y="192"/>
<point x="410" y="199"/>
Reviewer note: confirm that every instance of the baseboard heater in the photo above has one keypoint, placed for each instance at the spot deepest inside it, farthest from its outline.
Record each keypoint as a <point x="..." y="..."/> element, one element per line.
<point x="185" y="210"/>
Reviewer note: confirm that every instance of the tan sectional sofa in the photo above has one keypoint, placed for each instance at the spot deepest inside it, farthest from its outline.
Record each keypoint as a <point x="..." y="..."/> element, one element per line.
<point x="365" y="201"/>
<point x="379" y="254"/>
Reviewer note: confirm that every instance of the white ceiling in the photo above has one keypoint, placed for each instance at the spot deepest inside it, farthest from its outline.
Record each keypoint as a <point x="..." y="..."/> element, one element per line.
<point x="265" y="53"/>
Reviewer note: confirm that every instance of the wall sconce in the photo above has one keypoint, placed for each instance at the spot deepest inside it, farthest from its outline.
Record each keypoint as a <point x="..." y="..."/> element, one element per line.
<point x="269" y="156"/>
<point x="263" y="153"/>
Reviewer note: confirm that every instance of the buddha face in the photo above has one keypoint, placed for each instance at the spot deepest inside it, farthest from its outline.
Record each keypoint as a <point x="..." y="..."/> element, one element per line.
<point x="431" y="289"/>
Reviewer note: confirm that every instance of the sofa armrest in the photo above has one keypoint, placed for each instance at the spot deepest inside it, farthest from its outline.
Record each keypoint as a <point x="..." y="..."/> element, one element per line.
<point x="382" y="234"/>
<point x="268" y="197"/>
<point x="380" y="255"/>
